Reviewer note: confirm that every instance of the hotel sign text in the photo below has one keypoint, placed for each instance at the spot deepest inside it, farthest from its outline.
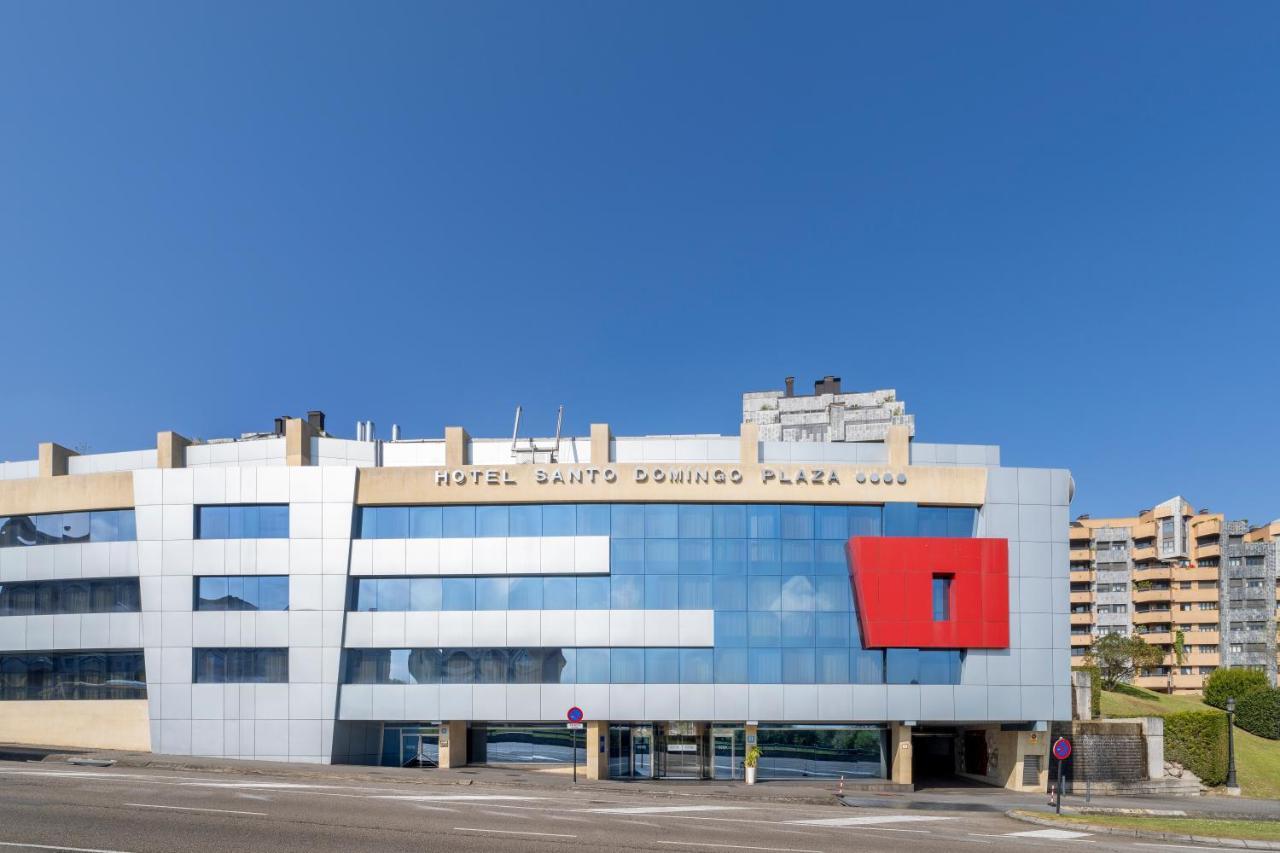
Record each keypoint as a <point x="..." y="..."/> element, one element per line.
<point x="682" y="475"/>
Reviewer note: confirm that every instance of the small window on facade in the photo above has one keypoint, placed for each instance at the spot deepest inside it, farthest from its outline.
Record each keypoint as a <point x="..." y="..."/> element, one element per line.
<point x="942" y="598"/>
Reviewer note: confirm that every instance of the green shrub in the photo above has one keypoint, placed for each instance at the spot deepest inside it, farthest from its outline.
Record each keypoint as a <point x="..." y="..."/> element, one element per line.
<point x="1198" y="741"/>
<point x="1223" y="683"/>
<point x="1259" y="712"/>
<point x="1095" y="695"/>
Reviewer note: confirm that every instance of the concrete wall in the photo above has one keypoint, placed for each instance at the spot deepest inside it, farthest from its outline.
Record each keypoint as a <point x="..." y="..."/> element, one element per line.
<point x="106" y="724"/>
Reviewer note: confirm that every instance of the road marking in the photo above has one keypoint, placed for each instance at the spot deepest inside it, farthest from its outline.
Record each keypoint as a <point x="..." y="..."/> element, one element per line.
<point x="1183" y="846"/>
<point x="665" y="809"/>
<point x="513" y="832"/>
<point x="739" y="847"/>
<point x="867" y="820"/>
<point x="56" y="847"/>
<point x="1051" y="834"/>
<point x="194" y="809"/>
<point x="450" y="798"/>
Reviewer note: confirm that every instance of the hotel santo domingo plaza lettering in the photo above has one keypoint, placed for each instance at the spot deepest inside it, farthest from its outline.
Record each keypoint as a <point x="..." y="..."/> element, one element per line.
<point x="644" y="474"/>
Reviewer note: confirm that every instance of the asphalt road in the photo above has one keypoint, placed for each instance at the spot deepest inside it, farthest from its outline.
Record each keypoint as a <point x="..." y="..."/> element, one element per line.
<point x="116" y="810"/>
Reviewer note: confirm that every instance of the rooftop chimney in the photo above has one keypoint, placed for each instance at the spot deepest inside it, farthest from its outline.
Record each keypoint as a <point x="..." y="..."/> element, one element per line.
<point x="279" y="425"/>
<point x="791" y="386"/>
<point x="827" y="385"/>
<point x="315" y="418"/>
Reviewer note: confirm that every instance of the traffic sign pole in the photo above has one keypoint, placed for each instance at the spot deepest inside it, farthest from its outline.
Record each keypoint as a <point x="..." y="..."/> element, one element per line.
<point x="574" y="716"/>
<point x="1061" y="751"/>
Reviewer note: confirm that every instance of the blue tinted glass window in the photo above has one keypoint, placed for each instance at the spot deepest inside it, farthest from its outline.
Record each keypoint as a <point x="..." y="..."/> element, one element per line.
<point x="458" y="594"/>
<point x="593" y="666"/>
<point x="525" y="521"/>
<point x="799" y="629"/>
<point x="661" y="556"/>
<point x="273" y="521"/>
<point x="75" y="527"/>
<point x="458" y="666"/>
<point x="764" y="593"/>
<point x="273" y="592"/>
<point x="491" y="594"/>
<point x="764" y="666"/>
<point x="865" y="520"/>
<point x="834" y="629"/>
<point x="661" y="521"/>
<point x="832" y="666"/>
<point x="797" y="521"/>
<point x="525" y="594"/>
<point x="797" y="666"/>
<point x="127" y="530"/>
<point x="491" y="521"/>
<point x="366" y="594"/>
<point x="662" y="666"/>
<point x="213" y="522"/>
<point x="557" y="520"/>
<point x="593" y="593"/>
<point x="941" y="598"/>
<point x="695" y="556"/>
<point x="103" y="526"/>
<point x="243" y="522"/>
<point x="627" y="521"/>
<point x="243" y="666"/>
<point x="763" y="522"/>
<point x="866" y="667"/>
<point x="831" y="522"/>
<point x="931" y="521"/>
<point x="626" y="556"/>
<point x="961" y="521"/>
<point x="729" y="556"/>
<point x="425" y="522"/>
<point x="558" y="593"/>
<point x="903" y="666"/>
<point x="626" y="592"/>
<point x="661" y="592"/>
<point x="939" y="667"/>
<point x="798" y="592"/>
<point x="797" y="556"/>
<point x="393" y="594"/>
<point x="833" y="594"/>
<point x="730" y="629"/>
<point x="593" y="519"/>
<point x="626" y="666"/>
<point x="425" y="594"/>
<point x="729" y="522"/>
<point x="695" y="592"/>
<point x="729" y="593"/>
<point x="764" y="557"/>
<point x="393" y="522"/>
<point x="900" y="519"/>
<point x="829" y="558"/>
<point x="697" y="666"/>
<point x="458" y="521"/>
<point x="731" y="666"/>
<point x="696" y="521"/>
<point x="764" y="628"/>
<point x="211" y="594"/>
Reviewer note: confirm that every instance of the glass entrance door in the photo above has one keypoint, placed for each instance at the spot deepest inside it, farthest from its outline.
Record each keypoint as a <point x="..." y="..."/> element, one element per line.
<point x="728" y="748"/>
<point x="630" y="752"/>
<point x="681" y="753"/>
<point x="411" y="746"/>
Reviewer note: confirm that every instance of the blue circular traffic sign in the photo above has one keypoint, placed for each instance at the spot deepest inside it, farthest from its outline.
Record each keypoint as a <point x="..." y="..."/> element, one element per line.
<point x="1062" y="749"/>
<point x="575" y="714"/>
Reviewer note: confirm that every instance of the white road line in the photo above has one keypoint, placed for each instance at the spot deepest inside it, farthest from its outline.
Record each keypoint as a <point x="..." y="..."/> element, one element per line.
<point x="739" y="847"/>
<point x="1051" y="834"/>
<point x="891" y="829"/>
<point x="55" y="847"/>
<point x="1184" y="846"/>
<point x="194" y="809"/>
<point x="666" y="809"/>
<point x="867" y="820"/>
<point x="451" y="798"/>
<point x="513" y="832"/>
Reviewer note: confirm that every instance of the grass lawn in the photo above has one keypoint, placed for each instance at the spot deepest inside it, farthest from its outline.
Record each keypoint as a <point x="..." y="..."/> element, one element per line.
<point x="1260" y="830"/>
<point x="1257" y="759"/>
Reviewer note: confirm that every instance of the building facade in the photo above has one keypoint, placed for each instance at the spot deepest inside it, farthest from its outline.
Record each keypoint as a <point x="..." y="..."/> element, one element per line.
<point x="880" y="609"/>
<point x="1174" y="572"/>
<point x="826" y="415"/>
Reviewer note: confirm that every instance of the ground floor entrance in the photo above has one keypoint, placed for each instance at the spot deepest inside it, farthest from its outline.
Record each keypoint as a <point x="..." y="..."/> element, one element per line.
<point x="411" y="746"/>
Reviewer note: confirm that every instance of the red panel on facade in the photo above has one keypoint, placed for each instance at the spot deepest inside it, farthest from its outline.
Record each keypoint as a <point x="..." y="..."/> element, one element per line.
<point x="893" y="578"/>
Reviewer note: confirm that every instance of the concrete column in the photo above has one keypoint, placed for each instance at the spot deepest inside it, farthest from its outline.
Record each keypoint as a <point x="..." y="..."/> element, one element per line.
<point x="898" y="446"/>
<point x="453" y="744"/>
<point x="900" y="754"/>
<point x="749" y="444"/>
<point x="597" y="731"/>
<point x="1082" y="695"/>
<point x="297" y="442"/>
<point x="456" y="443"/>
<point x="1153" y="731"/>
<point x="600" y="439"/>
<point x="171" y="450"/>
<point x="53" y="459"/>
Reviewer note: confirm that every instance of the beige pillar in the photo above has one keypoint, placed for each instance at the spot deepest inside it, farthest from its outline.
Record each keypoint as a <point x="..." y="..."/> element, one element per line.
<point x="453" y="744"/>
<point x="600" y="439"/>
<point x="898" y="445"/>
<point x="53" y="459"/>
<point x="455" y="446"/>
<point x="171" y="450"/>
<point x="749" y="444"/>
<point x="900" y="754"/>
<point x="597" y="734"/>
<point x="297" y="442"/>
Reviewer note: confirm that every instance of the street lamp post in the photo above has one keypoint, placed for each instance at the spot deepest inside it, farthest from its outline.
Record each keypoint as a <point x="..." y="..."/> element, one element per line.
<point x="1233" y="787"/>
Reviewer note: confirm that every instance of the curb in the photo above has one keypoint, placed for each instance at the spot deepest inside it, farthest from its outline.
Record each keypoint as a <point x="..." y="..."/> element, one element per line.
<point x="1240" y="843"/>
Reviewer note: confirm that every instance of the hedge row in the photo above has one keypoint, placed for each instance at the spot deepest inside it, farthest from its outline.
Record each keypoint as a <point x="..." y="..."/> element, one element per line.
<point x="1259" y="712"/>
<point x="1095" y="694"/>
<point x="1225" y="683"/>
<point x="1198" y="741"/>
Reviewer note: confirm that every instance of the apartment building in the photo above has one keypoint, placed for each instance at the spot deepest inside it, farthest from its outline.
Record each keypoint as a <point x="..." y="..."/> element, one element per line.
<point x="1174" y="571"/>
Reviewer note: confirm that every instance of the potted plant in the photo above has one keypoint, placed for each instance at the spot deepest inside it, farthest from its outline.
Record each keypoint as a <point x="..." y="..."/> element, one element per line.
<point x="750" y="762"/>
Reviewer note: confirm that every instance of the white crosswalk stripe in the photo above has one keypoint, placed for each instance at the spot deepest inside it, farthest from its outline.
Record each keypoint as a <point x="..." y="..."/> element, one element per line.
<point x="666" y="809"/>
<point x="869" y="820"/>
<point x="1049" y="834"/>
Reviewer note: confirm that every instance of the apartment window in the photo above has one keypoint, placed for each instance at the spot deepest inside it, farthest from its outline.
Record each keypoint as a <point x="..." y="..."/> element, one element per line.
<point x="243" y="521"/>
<point x="56" y="528"/>
<point x="1184" y="585"/>
<point x="53" y="598"/>
<point x="1206" y="584"/>
<point x="1256" y="560"/>
<point x="72" y="675"/>
<point x="1207" y="650"/>
<point x="1237" y="648"/>
<point x="1184" y="607"/>
<point x="240" y="666"/>
<point x="1207" y="670"/>
<point x="1208" y="605"/>
<point x="942" y="597"/>
<point x="1234" y="562"/>
<point x="242" y="592"/>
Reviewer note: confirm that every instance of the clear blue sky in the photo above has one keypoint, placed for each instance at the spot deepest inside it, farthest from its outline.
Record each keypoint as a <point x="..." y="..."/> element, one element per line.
<point x="1051" y="226"/>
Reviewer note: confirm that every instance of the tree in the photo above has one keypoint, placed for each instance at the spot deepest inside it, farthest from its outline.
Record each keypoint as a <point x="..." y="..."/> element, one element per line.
<point x="1119" y="658"/>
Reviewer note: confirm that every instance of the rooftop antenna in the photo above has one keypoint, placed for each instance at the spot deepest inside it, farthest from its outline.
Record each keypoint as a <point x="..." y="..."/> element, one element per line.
<point x="515" y="431"/>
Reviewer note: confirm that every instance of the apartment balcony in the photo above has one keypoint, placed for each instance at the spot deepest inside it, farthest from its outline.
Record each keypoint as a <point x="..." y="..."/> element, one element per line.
<point x="1085" y="639"/>
<point x="1082" y="598"/>
<point x="1144" y="530"/>
<point x="1200" y="638"/>
<point x="1082" y="619"/>
<point x="1197" y="617"/>
<point x="1155" y="573"/>
<point x="1153" y="617"/>
<point x="1157" y="638"/>
<point x="1079" y="534"/>
<point x="1080" y="555"/>
<point x="1181" y="683"/>
<point x="1199" y="573"/>
<point x="1146" y="552"/>
<point x="1208" y="527"/>
<point x="1194" y="595"/>
<point x="1152" y="595"/>
<point x="1201" y="552"/>
<point x="1081" y="575"/>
